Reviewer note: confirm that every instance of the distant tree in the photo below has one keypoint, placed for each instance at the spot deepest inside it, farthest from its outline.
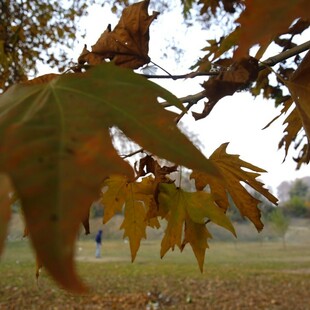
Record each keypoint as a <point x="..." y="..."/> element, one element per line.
<point x="283" y="191"/>
<point x="29" y="32"/>
<point x="296" y="207"/>
<point x="280" y="223"/>
<point x="298" y="201"/>
<point x="299" y="189"/>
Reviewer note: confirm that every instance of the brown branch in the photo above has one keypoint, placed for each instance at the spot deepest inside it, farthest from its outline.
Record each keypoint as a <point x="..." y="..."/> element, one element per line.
<point x="190" y="99"/>
<point x="271" y="61"/>
<point x="193" y="99"/>
<point x="181" y="76"/>
<point x="133" y="153"/>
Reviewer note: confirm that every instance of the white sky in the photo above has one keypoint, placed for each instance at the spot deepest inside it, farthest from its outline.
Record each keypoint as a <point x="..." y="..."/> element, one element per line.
<point x="236" y="119"/>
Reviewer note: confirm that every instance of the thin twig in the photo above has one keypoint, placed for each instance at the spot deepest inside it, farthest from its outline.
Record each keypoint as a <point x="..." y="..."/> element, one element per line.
<point x="181" y="76"/>
<point x="133" y="153"/>
<point x="161" y="68"/>
<point x="190" y="98"/>
<point x="271" y="61"/>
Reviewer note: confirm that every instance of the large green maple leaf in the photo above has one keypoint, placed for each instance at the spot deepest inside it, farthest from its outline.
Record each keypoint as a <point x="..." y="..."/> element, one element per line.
<point x="56" y="148"/>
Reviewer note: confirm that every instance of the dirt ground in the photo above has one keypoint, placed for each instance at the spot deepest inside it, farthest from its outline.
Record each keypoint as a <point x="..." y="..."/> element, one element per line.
<point x="249" y="276"/>
<point x="268" y="290"/>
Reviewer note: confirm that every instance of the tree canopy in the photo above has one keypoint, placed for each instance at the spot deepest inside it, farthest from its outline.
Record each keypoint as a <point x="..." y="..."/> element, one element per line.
<point x="29" y="33"/>
<point x="57" y="153"/>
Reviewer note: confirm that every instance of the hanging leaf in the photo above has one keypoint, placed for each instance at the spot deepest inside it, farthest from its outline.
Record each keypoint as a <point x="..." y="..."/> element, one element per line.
<point x="232" y="167"/>
<point x="55" y="146"/>
<point x="114" y="195"/>
<point x="185" y="209"/>
<point x="134" y="223"/>
<point x="126" y="45"/>
<point x="197" y="236"/>
<point x="299" y="85"/>
<point x="227" y="83"/>
<point x="134" y="198"/>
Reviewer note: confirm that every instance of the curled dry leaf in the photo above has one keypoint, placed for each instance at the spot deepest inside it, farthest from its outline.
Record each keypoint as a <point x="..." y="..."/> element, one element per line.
<point x="299" y="86"/>
<point x="126" y="45"/>
<point x="228" y="82"/>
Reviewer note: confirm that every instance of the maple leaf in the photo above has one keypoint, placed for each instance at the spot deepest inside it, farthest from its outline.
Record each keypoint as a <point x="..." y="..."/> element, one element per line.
<point x="299" y="86"/>
<point x="134" y="223"/>
<point x="134" y="198"/>
<point x="292" y="130"/>
<point x="228" y="82"/>
<point x="186" y="207"/>
<point x="231" y="167"/>
<point x="55" y="146"/>
<point x="279" y="15"/>
<point x="6" y="189"/>
<point x="114" y="196"/>
<point x="127" y="44"/>
<point x="197" y="236"/>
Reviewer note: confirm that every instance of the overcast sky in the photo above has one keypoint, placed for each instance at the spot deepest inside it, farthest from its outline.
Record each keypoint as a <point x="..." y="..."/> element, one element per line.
<point x="236" y="119"/>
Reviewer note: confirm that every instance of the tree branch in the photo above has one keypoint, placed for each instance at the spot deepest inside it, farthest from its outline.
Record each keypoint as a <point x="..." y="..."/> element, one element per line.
<point x="269" y="62"/>
<point x="181" y="76"/>
<point x="193" y="99"/>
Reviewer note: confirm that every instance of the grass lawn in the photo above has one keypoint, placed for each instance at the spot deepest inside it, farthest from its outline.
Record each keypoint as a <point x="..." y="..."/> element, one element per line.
<point x="236" y="276"/>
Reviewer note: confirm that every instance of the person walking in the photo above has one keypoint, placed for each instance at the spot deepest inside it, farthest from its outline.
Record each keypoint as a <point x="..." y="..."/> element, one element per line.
<point x="98" y="243"/>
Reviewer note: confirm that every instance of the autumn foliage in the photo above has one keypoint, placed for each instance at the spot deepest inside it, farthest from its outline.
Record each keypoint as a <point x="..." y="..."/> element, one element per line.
<point x="57" y="154"/>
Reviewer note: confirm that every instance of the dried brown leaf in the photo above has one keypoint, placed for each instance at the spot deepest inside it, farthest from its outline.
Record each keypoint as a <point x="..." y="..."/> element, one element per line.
<point x="227" y="83"/>
<point x="126" y="45"/>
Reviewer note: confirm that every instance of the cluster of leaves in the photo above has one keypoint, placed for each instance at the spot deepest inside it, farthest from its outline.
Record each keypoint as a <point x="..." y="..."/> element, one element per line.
<point x="29" y="32"/>
<point x="248" y="31"/>
<point x="57" y="154"/>
<point x="245" y="30"/>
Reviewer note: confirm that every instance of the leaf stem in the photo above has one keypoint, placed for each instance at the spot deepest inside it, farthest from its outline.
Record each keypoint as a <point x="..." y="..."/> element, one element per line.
<point x="133" y="153"/>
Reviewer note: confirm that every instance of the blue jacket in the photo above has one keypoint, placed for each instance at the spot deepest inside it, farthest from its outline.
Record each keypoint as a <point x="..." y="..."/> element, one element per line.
<point x="98" y="236"/>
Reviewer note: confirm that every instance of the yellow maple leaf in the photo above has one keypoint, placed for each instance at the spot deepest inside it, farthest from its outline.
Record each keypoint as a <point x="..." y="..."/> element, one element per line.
<point x="135" y="199"/>
<point x="114" y="196"/>
<point x="231" y="169"/>
<point x="197" y="236"/>
<point x="187" y="207"/>
<point x="134" y="223"/>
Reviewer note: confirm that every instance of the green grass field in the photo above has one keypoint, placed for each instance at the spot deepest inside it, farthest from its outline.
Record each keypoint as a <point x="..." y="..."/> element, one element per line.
<point x="237" y="276"/>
